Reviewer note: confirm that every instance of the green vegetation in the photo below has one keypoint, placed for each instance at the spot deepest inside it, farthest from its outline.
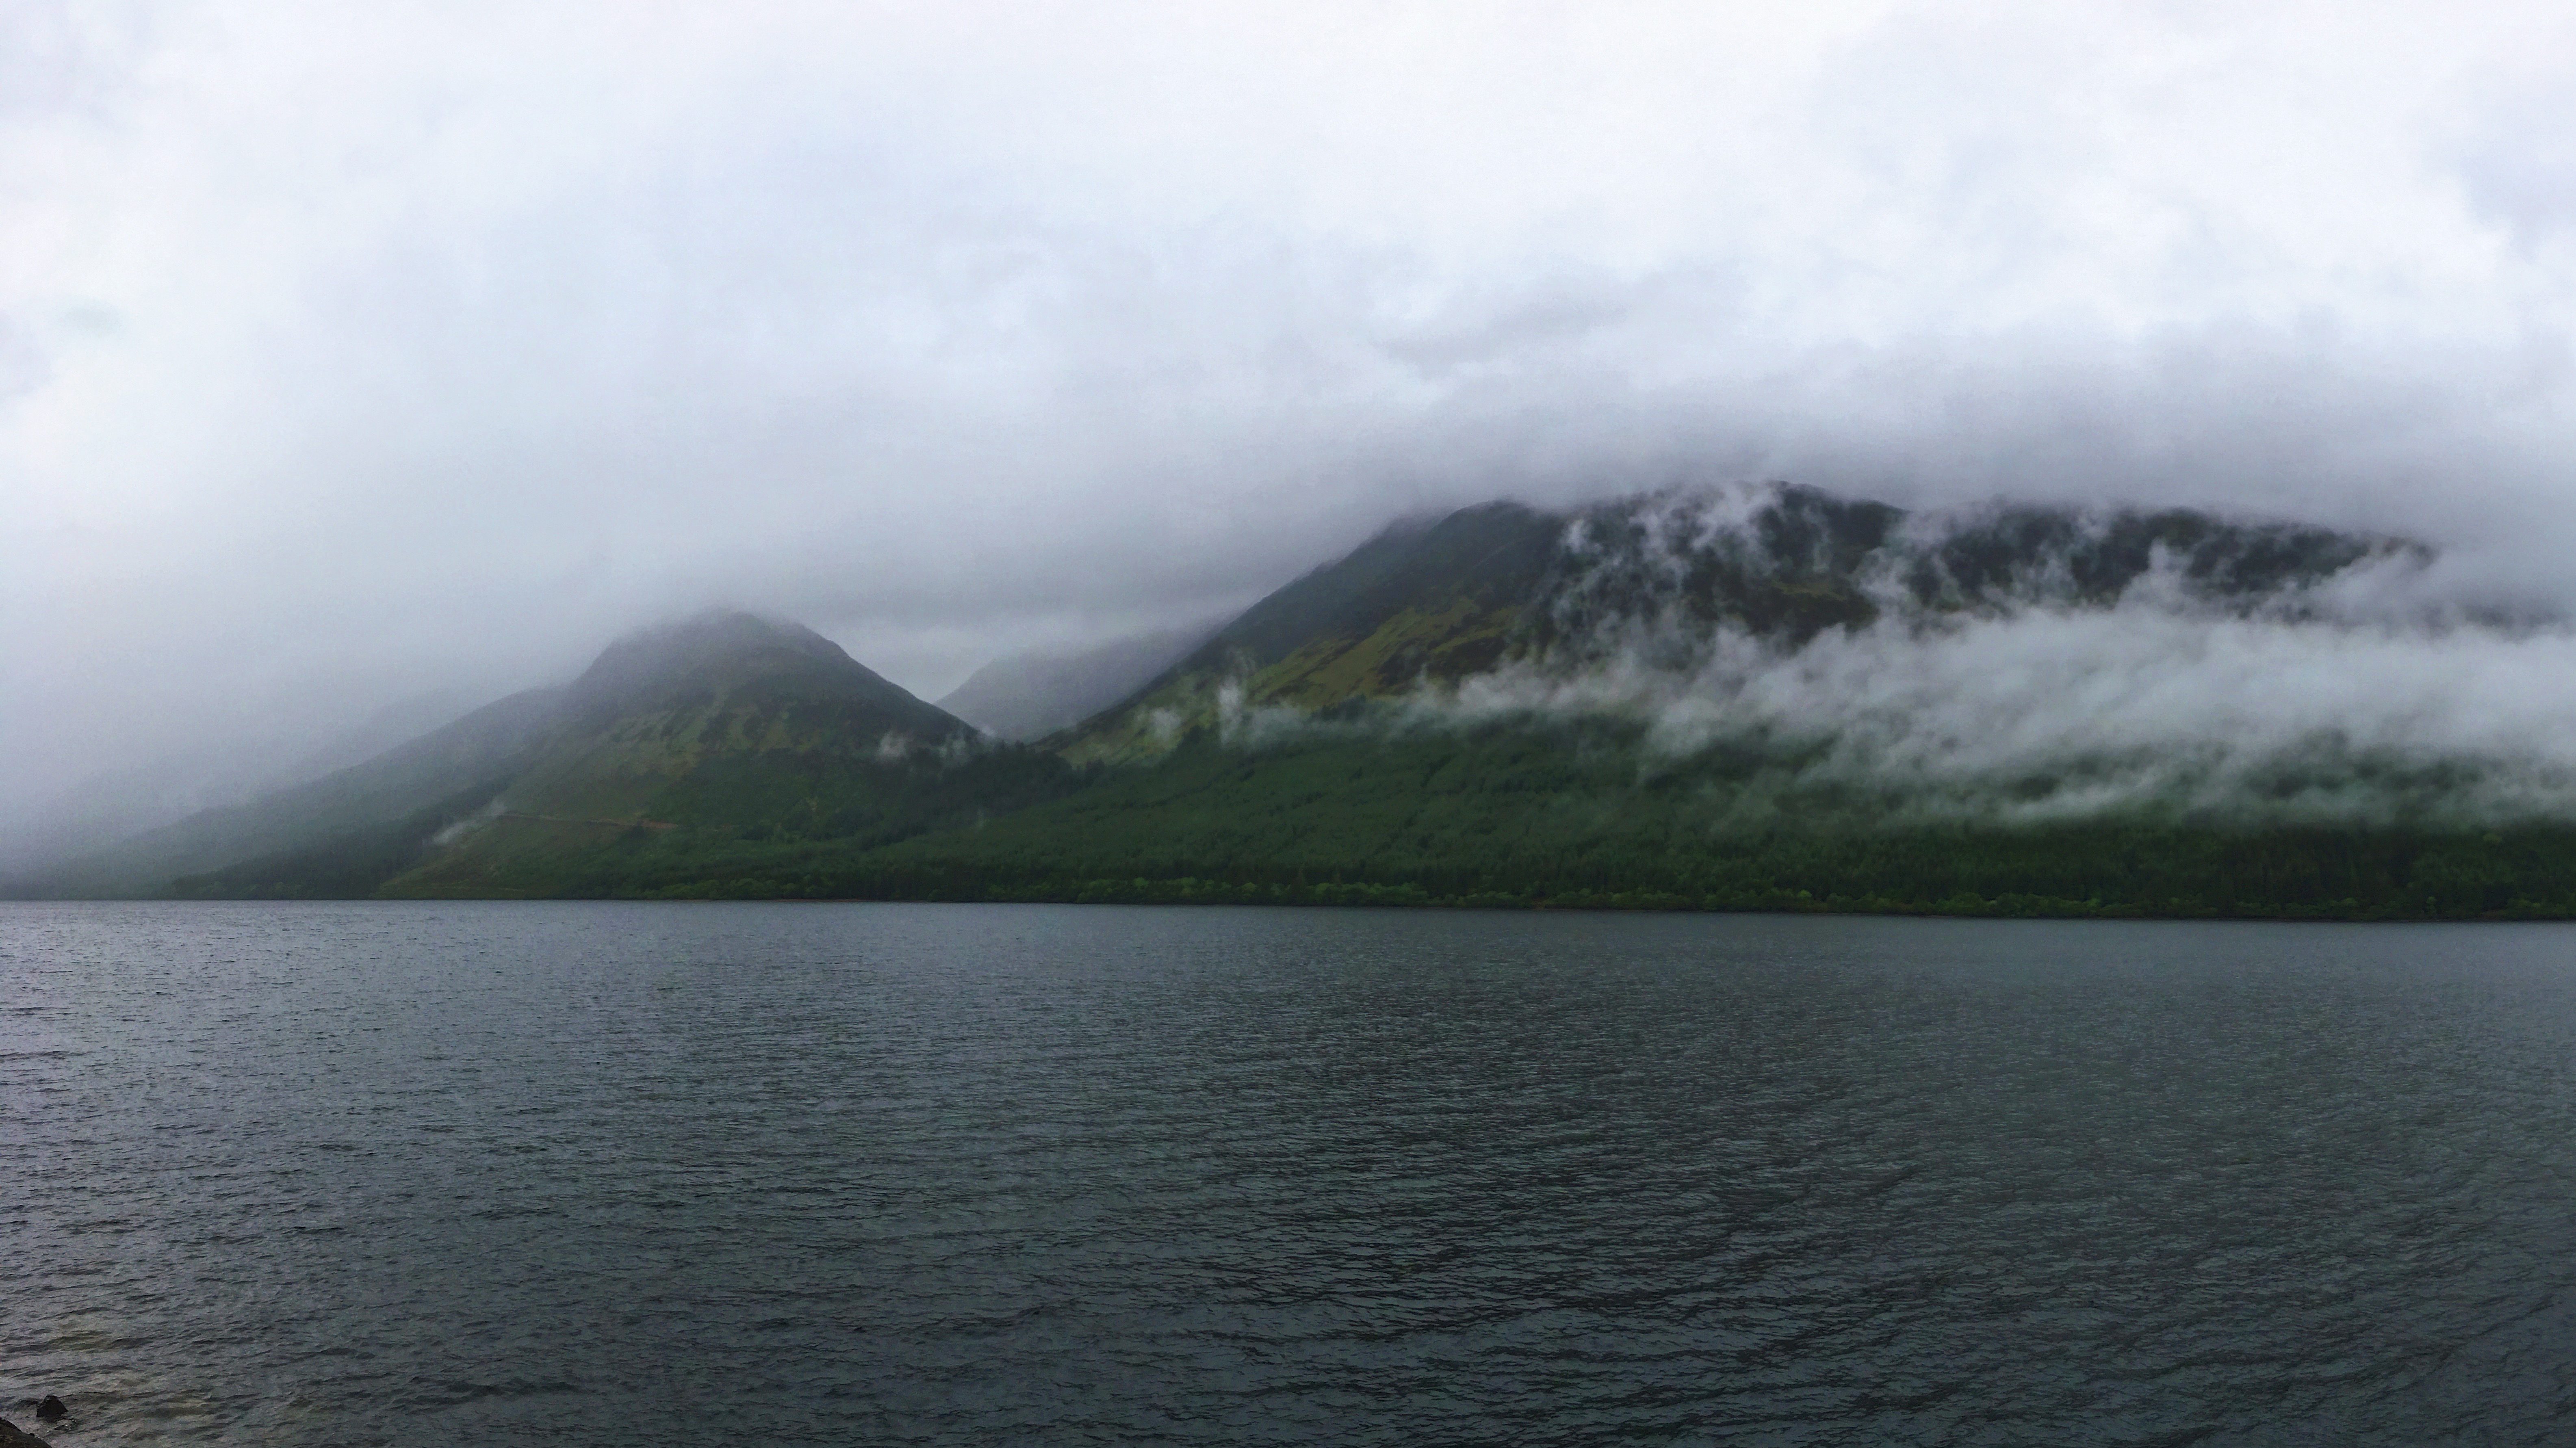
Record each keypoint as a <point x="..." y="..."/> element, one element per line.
<point x="737" y="757"/>
<point x="1513" y="815"/>
<point x="1438" y="602"/>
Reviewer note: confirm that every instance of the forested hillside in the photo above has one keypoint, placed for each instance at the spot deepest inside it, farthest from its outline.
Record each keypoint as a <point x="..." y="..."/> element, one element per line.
<point x="1692" y="699"/>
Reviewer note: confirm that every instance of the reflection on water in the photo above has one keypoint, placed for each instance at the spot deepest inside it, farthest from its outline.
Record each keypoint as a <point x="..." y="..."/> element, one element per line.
<point x="923" y="1174"/>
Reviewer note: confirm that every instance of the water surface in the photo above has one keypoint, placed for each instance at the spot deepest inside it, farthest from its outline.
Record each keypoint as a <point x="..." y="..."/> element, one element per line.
<point x="592" y="1174"/>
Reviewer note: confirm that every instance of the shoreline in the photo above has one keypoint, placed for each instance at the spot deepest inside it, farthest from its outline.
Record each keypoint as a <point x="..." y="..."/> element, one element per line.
<point x="1375" y="897"/>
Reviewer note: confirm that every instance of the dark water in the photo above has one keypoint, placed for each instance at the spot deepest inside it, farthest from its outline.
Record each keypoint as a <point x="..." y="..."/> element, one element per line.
<point x="890" y="1174"/>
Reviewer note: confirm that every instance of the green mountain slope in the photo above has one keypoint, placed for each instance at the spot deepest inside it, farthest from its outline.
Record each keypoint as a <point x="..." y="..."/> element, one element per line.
<point x="1309" y="752"/>
<point x="1427" y="605"/>
<point x="1536" y="814"/>
<point x="724" y="728"/>
<point x="1420" y="602"/>
<point x="724" y="690"/>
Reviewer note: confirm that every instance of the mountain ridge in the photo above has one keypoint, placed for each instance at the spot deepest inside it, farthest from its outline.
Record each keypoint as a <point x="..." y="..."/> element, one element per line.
<point x="1433" y="602"/>
<point x="1320" y="746"/>
<point x="647" y="711"/>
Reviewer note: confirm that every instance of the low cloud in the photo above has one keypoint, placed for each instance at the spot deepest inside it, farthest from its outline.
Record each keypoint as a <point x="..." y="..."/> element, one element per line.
<point x="458" y="829"/>
<point x="2062" y="714"/>
<point x="349" y="355"/>
<point x="2276" y="674"/>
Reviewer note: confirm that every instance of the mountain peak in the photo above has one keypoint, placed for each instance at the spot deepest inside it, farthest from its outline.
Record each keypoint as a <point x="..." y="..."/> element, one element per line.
<point x="728" y="652"/>
<point x="718" y="639"/>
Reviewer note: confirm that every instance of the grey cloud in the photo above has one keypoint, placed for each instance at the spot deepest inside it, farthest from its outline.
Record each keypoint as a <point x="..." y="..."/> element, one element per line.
<point x="2512" y="148"/>
<point x="451" y="341"/>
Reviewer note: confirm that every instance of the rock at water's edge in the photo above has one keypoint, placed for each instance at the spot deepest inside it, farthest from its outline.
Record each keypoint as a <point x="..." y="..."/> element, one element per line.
<point x="13" y="1436"/>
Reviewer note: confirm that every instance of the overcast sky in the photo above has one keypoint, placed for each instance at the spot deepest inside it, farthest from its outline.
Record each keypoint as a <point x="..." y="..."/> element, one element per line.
<point x="353" y="355"/>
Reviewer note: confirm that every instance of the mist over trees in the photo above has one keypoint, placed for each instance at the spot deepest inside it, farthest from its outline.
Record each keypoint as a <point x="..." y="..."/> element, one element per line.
<point x="1738" y="697"/>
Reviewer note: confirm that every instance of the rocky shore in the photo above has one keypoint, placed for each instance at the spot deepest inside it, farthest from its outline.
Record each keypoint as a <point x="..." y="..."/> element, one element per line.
<point x="13" y="1436"/>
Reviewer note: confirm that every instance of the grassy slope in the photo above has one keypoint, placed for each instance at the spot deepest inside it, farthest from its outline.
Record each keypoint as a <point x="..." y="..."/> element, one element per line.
<point x="1432" y="602"/>
<point x="779" y="815"/>
<point x="727" y="727"/>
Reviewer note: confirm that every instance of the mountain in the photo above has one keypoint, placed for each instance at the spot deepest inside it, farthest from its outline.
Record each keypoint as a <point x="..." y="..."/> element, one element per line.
<point x="1425" y="600"/>
<point x="1721" y="698"/>
<point x="724" y="734"/>
<point x="1027" y="696"/>
<point x="661" y="705"/>
<point x="1430" y="603"/>
<point x="1736" y="698"/>
<point x="720" y="718"/>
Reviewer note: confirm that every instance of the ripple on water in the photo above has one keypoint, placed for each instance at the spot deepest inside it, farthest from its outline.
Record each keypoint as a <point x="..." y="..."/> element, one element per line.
<point x="405" y="1173"/>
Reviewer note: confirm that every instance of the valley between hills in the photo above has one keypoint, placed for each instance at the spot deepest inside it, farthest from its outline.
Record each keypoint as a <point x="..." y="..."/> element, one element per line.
<point x="1699" y="699"/>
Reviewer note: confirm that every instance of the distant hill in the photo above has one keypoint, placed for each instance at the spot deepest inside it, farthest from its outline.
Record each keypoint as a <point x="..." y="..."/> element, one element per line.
<point x="1027" y="696"/>
<point x="1318" y="748"/>
<point x="722" y="714"/>
<point x="724" y="731"/>
<point x="452" y="768"/>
